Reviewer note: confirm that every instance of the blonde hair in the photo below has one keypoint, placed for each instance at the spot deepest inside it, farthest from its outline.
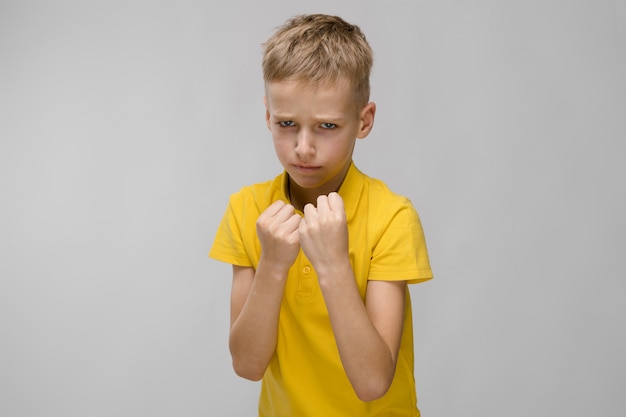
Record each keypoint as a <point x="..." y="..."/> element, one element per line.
<point x="319" y="49"/>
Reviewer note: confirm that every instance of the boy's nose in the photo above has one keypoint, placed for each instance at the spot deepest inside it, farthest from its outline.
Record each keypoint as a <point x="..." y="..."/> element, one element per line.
<point x="304" y="144"/>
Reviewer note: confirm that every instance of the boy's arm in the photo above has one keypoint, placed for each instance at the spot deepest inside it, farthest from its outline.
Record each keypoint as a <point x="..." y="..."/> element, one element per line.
<point x="256" y="296"/>
<point x="367" y="335"/>
<point x="254" y="307"/>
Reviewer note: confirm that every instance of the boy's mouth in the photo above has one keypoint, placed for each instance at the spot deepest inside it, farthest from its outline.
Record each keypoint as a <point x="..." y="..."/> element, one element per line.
<point x="306" y="168"/>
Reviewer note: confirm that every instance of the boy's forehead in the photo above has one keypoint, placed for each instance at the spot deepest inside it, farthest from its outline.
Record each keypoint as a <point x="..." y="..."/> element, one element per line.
<point x="286" y="97"/>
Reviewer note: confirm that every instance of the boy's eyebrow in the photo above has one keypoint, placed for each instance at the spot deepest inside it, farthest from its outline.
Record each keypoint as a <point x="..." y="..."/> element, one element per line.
<point x="319" y="118"/>
<point x="329" y="118"/>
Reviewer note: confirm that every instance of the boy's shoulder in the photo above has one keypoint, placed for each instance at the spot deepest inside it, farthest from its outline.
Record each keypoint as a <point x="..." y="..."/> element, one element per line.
<point x="378" y="191"/>
<point x="261" y="193"/>
<point x="367" y="197"/>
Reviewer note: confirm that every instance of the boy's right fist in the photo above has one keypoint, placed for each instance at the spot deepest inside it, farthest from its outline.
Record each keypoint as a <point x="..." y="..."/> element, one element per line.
<point x="277" y="228"/>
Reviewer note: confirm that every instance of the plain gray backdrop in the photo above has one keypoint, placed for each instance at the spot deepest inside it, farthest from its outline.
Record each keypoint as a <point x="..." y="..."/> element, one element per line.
<point x="125" y="125"/>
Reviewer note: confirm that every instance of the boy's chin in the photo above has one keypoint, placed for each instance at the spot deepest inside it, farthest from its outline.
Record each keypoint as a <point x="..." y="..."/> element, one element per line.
<point x="305" y="183"/>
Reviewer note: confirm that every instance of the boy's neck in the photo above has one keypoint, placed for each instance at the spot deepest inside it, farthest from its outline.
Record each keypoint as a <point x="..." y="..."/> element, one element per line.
<point x="300" y="197"/>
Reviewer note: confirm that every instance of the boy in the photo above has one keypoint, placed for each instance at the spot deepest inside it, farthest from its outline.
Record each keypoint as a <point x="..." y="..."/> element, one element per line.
<point x="322" y="254"/>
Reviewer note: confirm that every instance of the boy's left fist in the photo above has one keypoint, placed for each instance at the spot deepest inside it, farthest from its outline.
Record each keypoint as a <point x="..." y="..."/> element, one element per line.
<point x="324" y="233"/>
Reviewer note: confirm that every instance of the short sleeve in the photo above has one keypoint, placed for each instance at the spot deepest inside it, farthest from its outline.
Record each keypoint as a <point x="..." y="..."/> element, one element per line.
<point x="400" y="252"/>
<point x="228" y="245"/>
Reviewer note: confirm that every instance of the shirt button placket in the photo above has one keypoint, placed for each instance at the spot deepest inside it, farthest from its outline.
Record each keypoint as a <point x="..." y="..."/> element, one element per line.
<point x="305" y="287"/>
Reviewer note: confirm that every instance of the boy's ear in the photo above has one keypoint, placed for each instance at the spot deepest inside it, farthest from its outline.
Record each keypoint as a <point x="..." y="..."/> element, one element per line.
<point x="367" y="119"/>
<point x="267" y="111"/>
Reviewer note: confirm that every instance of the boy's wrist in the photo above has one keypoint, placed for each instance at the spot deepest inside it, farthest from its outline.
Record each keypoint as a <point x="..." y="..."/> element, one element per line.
<point x="335" y="272"/>
<point x="273" y="268"/>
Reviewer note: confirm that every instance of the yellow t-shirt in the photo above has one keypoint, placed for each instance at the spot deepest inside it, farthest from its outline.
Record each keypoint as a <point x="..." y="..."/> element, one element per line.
<point x="305" y="376"/>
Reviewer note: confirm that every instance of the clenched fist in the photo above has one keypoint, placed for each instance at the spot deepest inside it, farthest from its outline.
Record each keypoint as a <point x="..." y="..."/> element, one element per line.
<point x="324" y="233"/>
<point x="277" y="228"/>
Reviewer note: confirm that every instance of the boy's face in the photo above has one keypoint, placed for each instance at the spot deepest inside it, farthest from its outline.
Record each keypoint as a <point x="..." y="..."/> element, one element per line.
<point x="314" y="129"/>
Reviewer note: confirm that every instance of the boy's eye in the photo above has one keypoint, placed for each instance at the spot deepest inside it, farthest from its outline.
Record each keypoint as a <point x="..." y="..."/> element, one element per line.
<point x="287" y="123"/>
<point x="328" y="125"/>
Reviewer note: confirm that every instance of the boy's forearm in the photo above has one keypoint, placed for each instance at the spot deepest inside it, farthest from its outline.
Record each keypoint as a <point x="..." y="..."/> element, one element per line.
<point x="367" y="359"/>
<point x="254" y="333"/>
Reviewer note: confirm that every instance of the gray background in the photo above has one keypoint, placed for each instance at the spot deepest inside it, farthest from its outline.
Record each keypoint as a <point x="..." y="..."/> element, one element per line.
<point x="125" y="125"/>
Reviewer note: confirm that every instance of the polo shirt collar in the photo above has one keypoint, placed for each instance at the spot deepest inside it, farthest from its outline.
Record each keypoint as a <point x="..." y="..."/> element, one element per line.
<point x="351" y="190"/>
